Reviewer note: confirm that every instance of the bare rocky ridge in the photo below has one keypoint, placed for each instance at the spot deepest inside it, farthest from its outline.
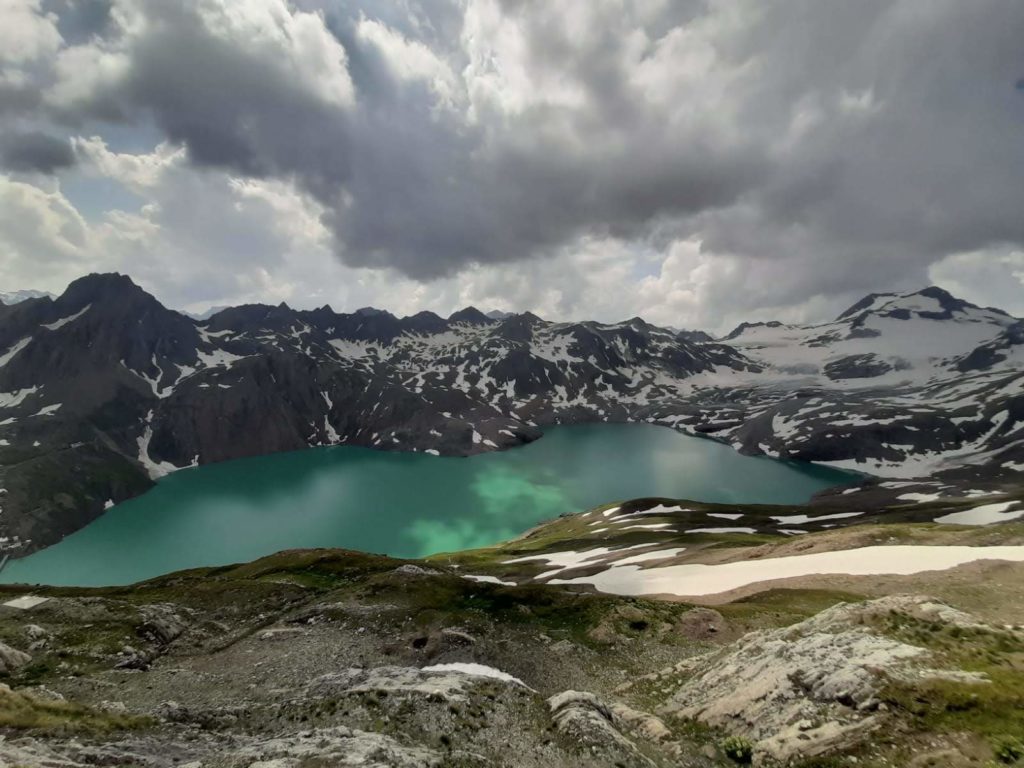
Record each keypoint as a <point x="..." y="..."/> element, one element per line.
<point x="102" y="390"/>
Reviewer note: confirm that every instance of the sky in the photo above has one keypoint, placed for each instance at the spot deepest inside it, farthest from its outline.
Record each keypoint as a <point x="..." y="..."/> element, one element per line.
<point x="693" y="162"/>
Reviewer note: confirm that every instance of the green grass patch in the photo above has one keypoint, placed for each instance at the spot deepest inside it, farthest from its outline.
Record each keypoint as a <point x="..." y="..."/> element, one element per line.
<point x="990" y="709"/>
<point x="20" y="710"/>
<point x="781" y="607"/>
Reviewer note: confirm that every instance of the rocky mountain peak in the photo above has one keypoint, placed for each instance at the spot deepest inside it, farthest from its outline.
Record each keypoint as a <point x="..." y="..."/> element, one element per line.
<point x="101" y="287"/>
<point x="425" y="322"/>
<point x="931" y="303"/>
<point x="470" y="315"/>
<point x="206" y="314"/>
<point x="517" y="327"/>
<point x="371" y="312"/>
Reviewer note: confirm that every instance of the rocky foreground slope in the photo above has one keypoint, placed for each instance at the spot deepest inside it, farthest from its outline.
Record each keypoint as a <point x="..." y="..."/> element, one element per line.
<point x="319" y="658"/>
<point x="103" y="390"/>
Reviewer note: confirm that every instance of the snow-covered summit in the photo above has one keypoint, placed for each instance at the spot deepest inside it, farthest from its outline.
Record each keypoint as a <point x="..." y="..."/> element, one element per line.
<point x="889" y="337"/>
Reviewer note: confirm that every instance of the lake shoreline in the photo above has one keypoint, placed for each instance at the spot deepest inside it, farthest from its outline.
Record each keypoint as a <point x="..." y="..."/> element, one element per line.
<point x="405" y="504"/>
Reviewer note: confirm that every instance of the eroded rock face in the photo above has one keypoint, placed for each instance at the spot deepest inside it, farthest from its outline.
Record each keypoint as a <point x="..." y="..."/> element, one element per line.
<point x="772" y="684"/>
<point x="913" y="606"/>
<point x="813" y="688"/>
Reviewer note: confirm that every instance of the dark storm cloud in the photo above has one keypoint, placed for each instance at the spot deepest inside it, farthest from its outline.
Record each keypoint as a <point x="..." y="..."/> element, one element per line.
<point x="229" y="101"/>
<point x="426" y="203"/>
<point x="432" y="192"/>
<point x="232" y="109"/>
<point x="18" y="99"/>
<point x="863" y="143"/>
<point x="423" y="188"/>
<point x="855" y="143"/>
<point x="38" y="152"/>
<point x="916" y="149"/>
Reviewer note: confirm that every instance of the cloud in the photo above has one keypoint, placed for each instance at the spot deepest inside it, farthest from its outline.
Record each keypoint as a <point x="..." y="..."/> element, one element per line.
<point x="28" y="152"/>
<point x="409" y="60"/>
<point x="137" y="172"/>
<point x="994" y="276"/>
<point x="44" y="239"/>
<point x="710" y="160"/>
<point x="26" y="32"/>
<point x="80" y="20"/>
<point x="252" y="87"/>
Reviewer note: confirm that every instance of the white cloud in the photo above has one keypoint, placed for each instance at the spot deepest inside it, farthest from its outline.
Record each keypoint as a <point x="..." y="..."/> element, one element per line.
<point x="136" y="171"/>
<point x="82" y="74"/>
<point x="696" y="163"/>
<point x="45" y="242"/>
<point x="273" y="30"/>
<point x="410" y="59"/>
<point x="26" y="33"/>
<point x="502" y="74"/>
<point x="993" y="276"/>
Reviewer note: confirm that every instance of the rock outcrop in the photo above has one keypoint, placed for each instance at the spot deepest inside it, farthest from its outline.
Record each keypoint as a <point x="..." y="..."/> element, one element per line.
<point x="11" y="659"/>
<point x="812" y="688"/>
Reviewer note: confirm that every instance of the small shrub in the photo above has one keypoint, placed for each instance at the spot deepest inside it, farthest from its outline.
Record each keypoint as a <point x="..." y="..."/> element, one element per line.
<point x="738" y="749"/>
<point x="1008" y="749"/>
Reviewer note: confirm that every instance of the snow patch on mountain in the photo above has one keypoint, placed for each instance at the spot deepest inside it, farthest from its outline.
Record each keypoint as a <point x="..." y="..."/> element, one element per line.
<point x="65" y="320"/>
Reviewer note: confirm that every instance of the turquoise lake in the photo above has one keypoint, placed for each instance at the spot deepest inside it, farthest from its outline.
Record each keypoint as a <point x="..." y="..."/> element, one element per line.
<point x="403" y="504"/>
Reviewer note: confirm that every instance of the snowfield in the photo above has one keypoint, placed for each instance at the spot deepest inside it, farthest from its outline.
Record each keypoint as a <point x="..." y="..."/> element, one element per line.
<point x="987" y="514"/>
<point x="696" y="579"/>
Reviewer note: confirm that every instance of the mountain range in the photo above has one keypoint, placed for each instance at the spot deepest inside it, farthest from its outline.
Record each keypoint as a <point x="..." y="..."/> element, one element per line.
<point x="103" y="390"/>
<point x="16" y="297"/>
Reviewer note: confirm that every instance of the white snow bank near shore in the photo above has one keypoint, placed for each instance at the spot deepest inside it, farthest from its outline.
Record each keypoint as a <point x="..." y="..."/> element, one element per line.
<point x="986" y="514"/>
<point x="694" y="579"/>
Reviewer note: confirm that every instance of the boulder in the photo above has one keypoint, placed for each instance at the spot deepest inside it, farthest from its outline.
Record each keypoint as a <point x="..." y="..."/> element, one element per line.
<point x="161" y="625"/>
<point x="11" y="659"/>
